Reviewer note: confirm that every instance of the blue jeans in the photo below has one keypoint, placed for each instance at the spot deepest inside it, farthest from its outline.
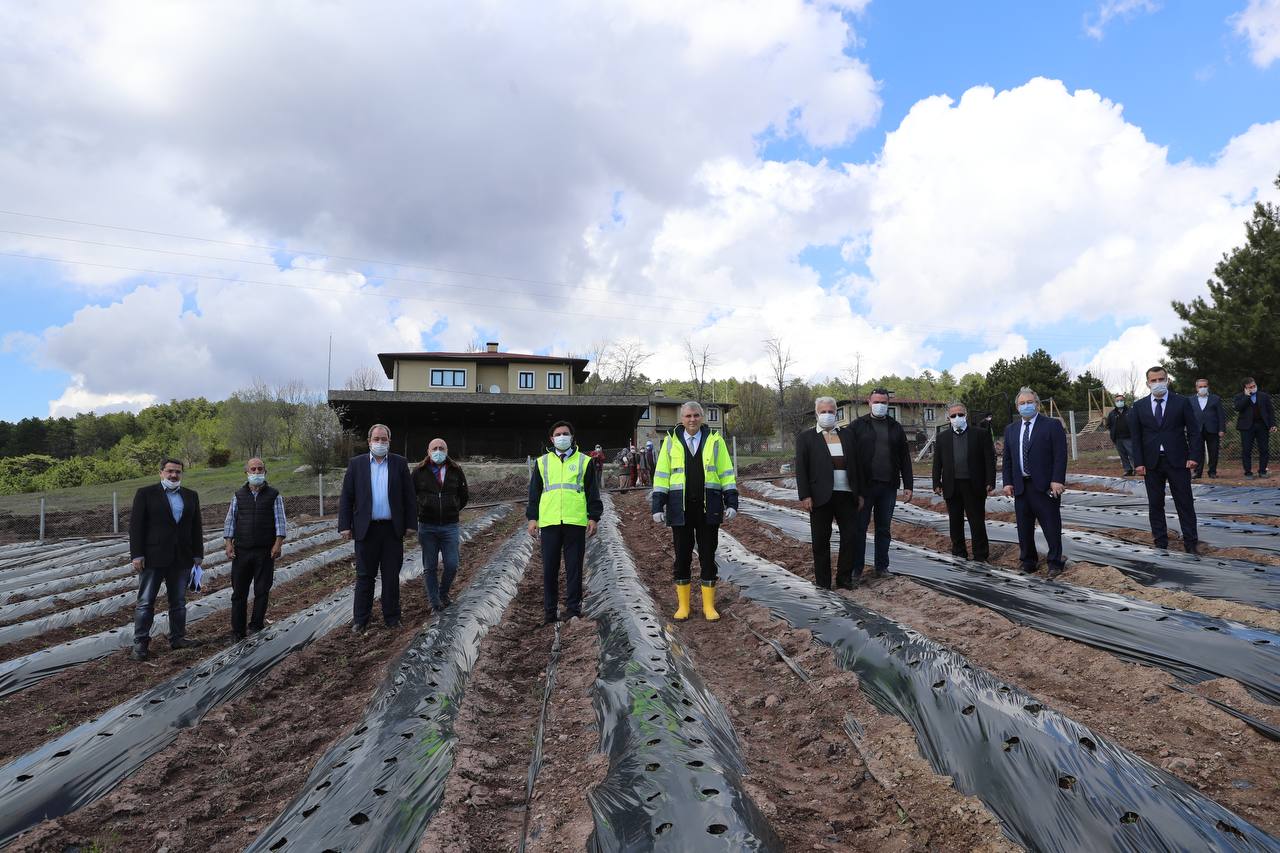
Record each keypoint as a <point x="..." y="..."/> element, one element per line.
<point x="880" y="500"/>
<point x="175" y="587"/>
<point x="439" y="542"/>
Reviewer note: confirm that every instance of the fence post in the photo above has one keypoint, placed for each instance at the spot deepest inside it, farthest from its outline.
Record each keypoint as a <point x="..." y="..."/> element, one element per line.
<point x="1075" y="444"/>
<point x="115" y="512"/>
<point x="41" y="539"/>
<point x="321" y="490"/>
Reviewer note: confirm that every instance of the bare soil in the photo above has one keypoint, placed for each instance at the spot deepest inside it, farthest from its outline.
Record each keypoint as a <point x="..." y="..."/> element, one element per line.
<point x="484" y="804"/>
<point x="222" y="782"/>
<point x="805" y="773"/>
<point x="1136" y="706"/>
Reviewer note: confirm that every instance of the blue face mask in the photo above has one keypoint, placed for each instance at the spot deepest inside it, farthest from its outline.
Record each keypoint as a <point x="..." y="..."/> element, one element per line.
<point x="438" y="456"/>
<point x="257" y="479"/>
<point x="1027" y="410"/>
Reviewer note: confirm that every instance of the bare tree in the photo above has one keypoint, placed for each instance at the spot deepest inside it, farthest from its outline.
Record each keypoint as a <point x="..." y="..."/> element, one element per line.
<point x="855" y="382"/>
<point x="319" y="435"/>
<point x="779" y="363"/>
<point x="618" y="365"/>
<point x="598" y="356"/>
<point x="699" y="359"/>
<point x="290" y="398"/>
<point x="475" y="345"/>
<point x="365" y="379"/>
<point x="251" y="420"/>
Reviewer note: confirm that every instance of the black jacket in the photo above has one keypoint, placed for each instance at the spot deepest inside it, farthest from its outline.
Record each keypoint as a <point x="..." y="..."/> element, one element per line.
<point x="1178" y="433"/>
<point x="1245" y="407"/>
<point x="1118" y="423"/>
<point x="981" y="457"/>
<point x="1212" y="418"/>
<point x="157" y="538"/>
<point x="864" y="436"/>
<point x="815" y="474"/>
<point x="440" y="503"/>
<point x="355" y="503"/>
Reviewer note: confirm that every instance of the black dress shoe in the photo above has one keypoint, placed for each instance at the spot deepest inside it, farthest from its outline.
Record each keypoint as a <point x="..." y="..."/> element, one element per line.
<point x="1193" y="548"/>
<point x="394" y="623"/>
<point x="821" y="585"/>
<point x="549" y="619"/>
<point x="572" y="614"/>
<point x="847" y="584"/>
<point x="138" y="652"/>
<point x="1053" y="572"/>
<point x="236" y="638"/>
<point x="184" y="643"/>
<point x="881" y="574"/>
<point x="359" y="627"/>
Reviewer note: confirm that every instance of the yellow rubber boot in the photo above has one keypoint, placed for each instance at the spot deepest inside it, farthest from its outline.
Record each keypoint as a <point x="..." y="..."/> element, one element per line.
<point x="682" y="597"/>
<point x="709" y="603"/>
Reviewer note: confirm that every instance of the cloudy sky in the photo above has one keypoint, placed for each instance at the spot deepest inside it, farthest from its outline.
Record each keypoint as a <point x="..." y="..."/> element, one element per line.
<point x="195" y="195"/>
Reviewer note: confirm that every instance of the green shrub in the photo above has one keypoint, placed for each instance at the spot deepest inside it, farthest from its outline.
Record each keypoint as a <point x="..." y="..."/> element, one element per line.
<point x="219" y="457"/>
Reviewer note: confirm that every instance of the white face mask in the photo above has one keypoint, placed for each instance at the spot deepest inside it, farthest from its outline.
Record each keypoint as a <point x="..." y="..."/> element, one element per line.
<point x="879" y="410"/>
<point x="171" y="485"/>
<point x="826" y="420"/>
<point x="1203" y="392"/>
<point x="562" y="442"/>
<point x="380" y="449"/>
<point x="1158" y="389"/>
<point x="958" y="424"/>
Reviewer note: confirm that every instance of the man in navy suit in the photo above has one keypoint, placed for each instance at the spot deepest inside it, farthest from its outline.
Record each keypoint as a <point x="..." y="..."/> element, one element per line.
<point x="1167" y="449"/>
<point x="1035" y="476"/>
<point x="1213" y="426"/>
<point x="1257" y="422"/>
<point x="377" y="503"/>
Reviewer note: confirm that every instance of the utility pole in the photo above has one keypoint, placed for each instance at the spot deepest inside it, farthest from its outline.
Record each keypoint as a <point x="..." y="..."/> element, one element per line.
<point x="328" y="377"/>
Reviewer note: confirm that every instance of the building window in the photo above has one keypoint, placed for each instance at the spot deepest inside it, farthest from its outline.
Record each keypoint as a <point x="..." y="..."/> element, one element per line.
<point x="893" y="412"/>
<point x="555" y="381"/>
<point x="526" y="380"/>
<point x="840" y="413"/>
<point x="448" y="378"/>
<point x="644" y="416"/>
<point x="929" y="414"/>
<point x="713" y="415"/>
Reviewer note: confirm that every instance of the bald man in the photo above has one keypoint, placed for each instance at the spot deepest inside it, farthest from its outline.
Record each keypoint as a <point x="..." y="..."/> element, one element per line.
<point x="254" y="532"/>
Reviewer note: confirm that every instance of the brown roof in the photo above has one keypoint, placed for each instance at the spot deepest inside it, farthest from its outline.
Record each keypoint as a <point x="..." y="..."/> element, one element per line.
<point x="389" y="359"/>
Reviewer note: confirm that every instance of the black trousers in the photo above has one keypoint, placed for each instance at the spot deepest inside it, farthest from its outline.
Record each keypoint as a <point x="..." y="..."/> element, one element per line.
<point x="380" y="552"/>
<point x="1036" y="507"/>
<point x="969" y="500"/>
<point x="175" y="582"/>
<point x="843" y="510"/>
<point x="570" y="542"/>
<point x="1179" y="480"/>
<point x="1248" y="438"/>
<point x="695" y="531"/>
<point x="1211" y="446"/>
<point x="251" y="567"/>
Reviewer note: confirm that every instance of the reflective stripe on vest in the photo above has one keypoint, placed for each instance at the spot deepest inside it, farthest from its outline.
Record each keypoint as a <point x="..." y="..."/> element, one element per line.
<point x="564" y="494"/>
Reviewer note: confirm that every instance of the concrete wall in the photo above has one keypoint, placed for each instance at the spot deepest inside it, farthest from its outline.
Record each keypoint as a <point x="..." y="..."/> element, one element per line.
<point x="540" y="372"/>
<point x="416" y="375"/>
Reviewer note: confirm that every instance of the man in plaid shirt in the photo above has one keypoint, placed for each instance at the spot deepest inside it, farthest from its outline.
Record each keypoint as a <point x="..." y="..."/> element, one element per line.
<point x="254" y="532"/>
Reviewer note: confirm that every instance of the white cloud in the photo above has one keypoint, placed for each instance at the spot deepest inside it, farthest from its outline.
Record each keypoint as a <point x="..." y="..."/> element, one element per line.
<point x="1122" y="362"/>
<point x="1259" y="23"/>
<point x="1011" y="346"/>
<point x="1095" y="25"/>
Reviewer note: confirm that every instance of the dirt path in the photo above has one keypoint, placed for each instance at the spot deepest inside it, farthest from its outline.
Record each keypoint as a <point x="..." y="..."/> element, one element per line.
<point x="226" y="779"/>
<point x="804" y="771"/>
<point x="1135" y="705"/>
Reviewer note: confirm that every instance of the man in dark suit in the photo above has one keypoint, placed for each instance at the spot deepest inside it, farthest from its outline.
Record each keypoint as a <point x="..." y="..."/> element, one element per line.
<point x="1256" y="423"/>
<point x="884" y="460"/>
<point x="827" y="480"/>
<point x="1166" y="449"/>
<point x="964" y="473"/>
<point x="377" y="505"/>
<point x="1213" y="426"/>
<point x="166" y="538"/>
<point x="1035" y="476"/>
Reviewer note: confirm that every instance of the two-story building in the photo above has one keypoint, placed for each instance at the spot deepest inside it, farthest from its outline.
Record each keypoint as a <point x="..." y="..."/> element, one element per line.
<point x="487" y="403"/>
<point x="662" y="414"/>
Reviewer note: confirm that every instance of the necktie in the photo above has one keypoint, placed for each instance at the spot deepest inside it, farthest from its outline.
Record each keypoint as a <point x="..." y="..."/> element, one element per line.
<point x="1160" y="412"/>
<point x="1026" y="445"/>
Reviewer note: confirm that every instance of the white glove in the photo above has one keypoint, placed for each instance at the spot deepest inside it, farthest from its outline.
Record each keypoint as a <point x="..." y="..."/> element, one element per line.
<point x="194" y="584"/>
<point x="730" y="513"/>
<point x="659" y="518"/>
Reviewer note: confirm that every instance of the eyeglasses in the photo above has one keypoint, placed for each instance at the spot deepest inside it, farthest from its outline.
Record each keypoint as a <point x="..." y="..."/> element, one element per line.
<point x="957" y="415"/>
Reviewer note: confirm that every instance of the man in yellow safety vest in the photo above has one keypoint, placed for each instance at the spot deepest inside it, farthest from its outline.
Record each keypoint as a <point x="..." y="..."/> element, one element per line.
<point x="694" y="490"/>
<point x="563" y="510"/>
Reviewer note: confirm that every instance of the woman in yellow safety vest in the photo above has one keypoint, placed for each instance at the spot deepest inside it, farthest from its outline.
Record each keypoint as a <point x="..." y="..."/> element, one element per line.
<point x="563" y="509"/>
<point x="694" y="489"/>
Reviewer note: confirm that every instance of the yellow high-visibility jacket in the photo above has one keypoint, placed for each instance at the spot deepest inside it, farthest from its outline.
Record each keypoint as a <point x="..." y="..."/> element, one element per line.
<point x="720" y="488"/>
